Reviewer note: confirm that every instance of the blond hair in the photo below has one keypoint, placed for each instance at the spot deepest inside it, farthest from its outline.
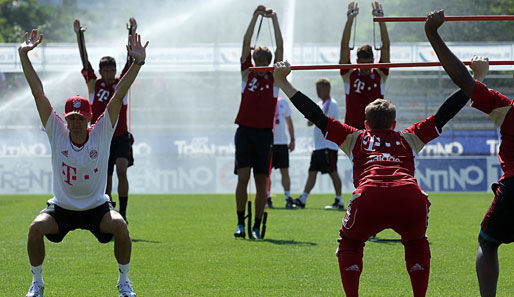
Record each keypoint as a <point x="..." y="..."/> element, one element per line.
<point x="380" y="114"/>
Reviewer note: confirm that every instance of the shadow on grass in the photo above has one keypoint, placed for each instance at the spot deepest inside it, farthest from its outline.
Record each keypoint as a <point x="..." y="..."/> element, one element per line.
<point x="144" y="240"/>
<point x="288" y="242"/>
<point x="385" y="240"/>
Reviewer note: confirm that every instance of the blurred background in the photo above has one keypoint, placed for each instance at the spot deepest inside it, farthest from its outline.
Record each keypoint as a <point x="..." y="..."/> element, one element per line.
<point x="185" y="99"/>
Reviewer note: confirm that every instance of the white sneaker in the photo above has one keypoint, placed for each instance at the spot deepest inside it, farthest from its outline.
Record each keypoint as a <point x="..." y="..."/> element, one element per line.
<point x="125" y="289"/>
<point x="36" y="289"/>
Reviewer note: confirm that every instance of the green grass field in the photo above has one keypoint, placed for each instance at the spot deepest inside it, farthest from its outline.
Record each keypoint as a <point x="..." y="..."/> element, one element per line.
<point x="183" y="246"/>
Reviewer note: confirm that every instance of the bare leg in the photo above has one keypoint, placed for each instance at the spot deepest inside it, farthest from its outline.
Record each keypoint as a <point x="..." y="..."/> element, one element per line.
<point x="121" y="171"/>
<point x="311" y="181"/>
<point x="261" y="183"/>
<point x="113" y="223"/>
<point x="487" y="267"/>
<point x="336" y="181"/>
<point x="243" y="176"/>
<point x="286" y="180"/>
<point x="43" y="224"/>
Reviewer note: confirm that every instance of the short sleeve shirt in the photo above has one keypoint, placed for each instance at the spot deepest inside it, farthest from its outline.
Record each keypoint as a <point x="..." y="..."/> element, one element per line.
<point x="258" y="98"/>
<point x="382" y="156"/>
<point x="360" y="91"/>
<point x="499" y="109"/>
<point x="102" y="94"/>
<point x="330" y="109"/>
<point x="283" y="111"/>
<point x="79" y="173"/>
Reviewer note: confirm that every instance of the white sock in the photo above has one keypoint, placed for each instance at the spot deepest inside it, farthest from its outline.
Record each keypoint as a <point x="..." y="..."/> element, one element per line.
<point x="287" y="194"/>
<point x="124" y="271"/>
<point x="304" y="197"/>
<point x="37" y="273"/>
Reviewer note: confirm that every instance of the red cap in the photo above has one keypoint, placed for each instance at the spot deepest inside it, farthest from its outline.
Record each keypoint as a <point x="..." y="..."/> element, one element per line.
<point x="77" y="105"/>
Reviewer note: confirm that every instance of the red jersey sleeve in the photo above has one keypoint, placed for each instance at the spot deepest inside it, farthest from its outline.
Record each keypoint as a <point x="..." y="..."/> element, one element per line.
<point x="487" y="100"/>
<point x="421" y="133"/>
<point x="247" y="63"/>
<point x="89" y="73"/>
<point x="337" y="132"/>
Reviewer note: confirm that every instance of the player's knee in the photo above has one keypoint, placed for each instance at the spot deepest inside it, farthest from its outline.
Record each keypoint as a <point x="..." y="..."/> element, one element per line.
<point x="119" y="227"/>
<point x="36" y="229"/>
<point x="348" y="245"/>
<point x="417" y="247"/>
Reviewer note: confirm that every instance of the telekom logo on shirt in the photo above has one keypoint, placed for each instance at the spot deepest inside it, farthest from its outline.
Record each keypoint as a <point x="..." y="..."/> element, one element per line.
<point x="69" y="173"/>
<point x="359" y="85"/>
<point x="252" y="85"/>
<point x="103" y="95"/>
<point x="370" y="141"/>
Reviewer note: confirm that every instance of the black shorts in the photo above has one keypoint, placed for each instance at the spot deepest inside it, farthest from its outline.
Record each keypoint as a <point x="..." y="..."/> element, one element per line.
<point x="121" y="147"/>
<point x="253" y="149"/>
<point x="498" y="222"/>
<point x="280" y="157"/>
<point x="324" y="161"/>
<point x="69" y="220"/>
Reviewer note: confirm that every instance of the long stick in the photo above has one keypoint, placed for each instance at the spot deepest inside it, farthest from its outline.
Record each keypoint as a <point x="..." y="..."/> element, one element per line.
<point x="447" y="18"/>
<point x="370" y="65"/>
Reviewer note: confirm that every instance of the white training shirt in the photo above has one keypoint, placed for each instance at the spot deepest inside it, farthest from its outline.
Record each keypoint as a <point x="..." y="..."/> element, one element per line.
<point x="283" y="111"/>
<point x="79" y="174"/>
<point x="331" y="109"/>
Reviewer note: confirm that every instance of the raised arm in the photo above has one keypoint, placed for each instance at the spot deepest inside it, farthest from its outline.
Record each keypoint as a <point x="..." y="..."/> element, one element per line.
<point x="279" y="51"/>
<point x="385" y="56"/>
<point x="306" y="106"/>
<point x="455" y="102"/>
<point x="344" y="53"/>
<point x="138" y="52"/>
<point x="43" y="105"/>
<point x="131" y="27"/>
<point x="81" y="42"/>
<point x="260" y="10"/>
<point x="451" y="64"/>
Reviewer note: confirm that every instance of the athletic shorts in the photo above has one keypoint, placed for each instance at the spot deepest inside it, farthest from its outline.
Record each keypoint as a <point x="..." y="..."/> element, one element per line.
<point x="280" y="157"/>
<point x="69" y="220"/>
<point x="498" y="222"/>
<point x="324" y="161"/>
<point x="373" y="208"/>
<point x="121" y="147"/>
<point x="253" y="149"/>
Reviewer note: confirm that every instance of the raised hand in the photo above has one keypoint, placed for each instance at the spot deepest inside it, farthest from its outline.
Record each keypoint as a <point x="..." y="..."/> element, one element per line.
<point x="268" y="13"/>
<point x="31" y="43"/>
<point x="353" y="10"/>
<point x="260" y="10"/>
<point x="282" y="70"/>
<point x="480" y="66"/>
<point x="377" y="9"/>
<point x="434" y="20"/>
<point x="135" y="49"/>
<point x="132" y="25"/>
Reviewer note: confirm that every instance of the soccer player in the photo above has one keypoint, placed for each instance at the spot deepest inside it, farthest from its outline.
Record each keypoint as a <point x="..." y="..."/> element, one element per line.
<point x="387" y="194"/>
<point x="498" y="224"/>
<point x="100" y="93"/>
<point x="254" y="136"/>
<point x="281" y="148"/>
<point x="362" y="86"/>
<point x="324" y="156"/>
<point x="79" y="164"/>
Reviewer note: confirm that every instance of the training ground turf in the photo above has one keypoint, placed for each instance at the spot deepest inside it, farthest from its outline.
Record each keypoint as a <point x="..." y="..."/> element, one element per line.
<point x="183" y="246"/>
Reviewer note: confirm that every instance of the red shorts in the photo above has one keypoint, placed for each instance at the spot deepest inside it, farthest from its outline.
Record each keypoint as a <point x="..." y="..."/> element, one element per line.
<point x="403" y="208"/>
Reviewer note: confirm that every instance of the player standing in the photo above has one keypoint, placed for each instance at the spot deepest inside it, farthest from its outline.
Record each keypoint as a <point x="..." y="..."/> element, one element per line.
<point x="100" y="93"/>
<point x="497" y="225"/>
<point x="281" y="148"/>
<point x="387" y="195"/>
<point x="324" y="156"/>
<point x="254" y="136"/>
<point x="79" y="165"/>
